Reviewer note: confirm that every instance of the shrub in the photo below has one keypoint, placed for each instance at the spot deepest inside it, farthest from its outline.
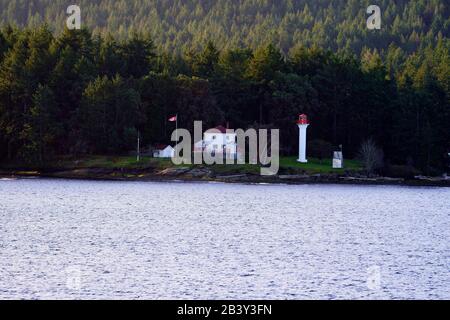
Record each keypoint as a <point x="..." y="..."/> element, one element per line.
<point x="371" y="156"/>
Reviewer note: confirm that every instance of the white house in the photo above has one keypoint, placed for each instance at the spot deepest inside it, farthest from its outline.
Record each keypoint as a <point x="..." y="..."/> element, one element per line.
<point x="219" y="141"/>
<point x="163" y="151"/>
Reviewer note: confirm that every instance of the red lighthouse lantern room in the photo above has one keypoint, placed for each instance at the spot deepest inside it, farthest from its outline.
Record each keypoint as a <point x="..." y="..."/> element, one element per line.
<point x="303" y="119"/>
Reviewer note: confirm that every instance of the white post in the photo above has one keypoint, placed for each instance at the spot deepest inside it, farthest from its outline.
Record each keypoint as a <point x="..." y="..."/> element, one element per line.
<point x="138" y="158"/>
<point x="302" y="143"/>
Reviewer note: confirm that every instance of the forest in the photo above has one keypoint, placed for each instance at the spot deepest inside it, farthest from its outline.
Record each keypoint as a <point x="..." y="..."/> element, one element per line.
<point x="72" y="93"/>
<point x="181" y="25"/>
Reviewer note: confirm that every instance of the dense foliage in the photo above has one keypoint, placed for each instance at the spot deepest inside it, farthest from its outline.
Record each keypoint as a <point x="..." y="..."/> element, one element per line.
<point x="77" y="93"/>
<point x="252" y="63"/>
<point x="187" y="24"/>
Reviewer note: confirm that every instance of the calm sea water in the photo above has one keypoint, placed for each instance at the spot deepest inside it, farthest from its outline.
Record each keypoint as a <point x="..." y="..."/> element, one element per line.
<point x="136" y="240"/>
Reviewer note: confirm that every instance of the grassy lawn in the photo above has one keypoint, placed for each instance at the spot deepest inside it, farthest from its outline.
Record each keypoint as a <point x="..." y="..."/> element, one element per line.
<point x="289" y="164"/>
<point x="108" y="162"/>
<point x="292" y="166"/>
<point x="317" y="166"/>
<point x="115" y="162"/>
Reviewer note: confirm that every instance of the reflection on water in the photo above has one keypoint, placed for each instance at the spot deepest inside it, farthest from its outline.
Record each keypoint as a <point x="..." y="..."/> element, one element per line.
<point x="84" y="239"/>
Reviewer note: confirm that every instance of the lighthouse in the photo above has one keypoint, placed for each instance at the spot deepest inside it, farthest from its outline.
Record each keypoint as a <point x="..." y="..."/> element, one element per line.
<point x="303" y="124"/>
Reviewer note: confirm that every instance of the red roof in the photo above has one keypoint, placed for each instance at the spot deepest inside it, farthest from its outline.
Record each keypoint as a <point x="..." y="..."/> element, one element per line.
<point x="221" y="129"/>
<point x="161" y="146"/>
<point x="303" y="119"/>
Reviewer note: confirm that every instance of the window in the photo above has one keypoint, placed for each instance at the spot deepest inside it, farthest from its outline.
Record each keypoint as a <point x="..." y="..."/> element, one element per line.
<point x="214" y="137"/>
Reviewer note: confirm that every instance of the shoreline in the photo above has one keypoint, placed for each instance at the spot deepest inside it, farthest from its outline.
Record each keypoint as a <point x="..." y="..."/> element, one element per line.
<point x="206" y="175"/>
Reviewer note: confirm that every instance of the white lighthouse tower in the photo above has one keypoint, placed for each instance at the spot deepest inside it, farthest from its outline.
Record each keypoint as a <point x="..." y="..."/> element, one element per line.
<point x="303" y="124"/>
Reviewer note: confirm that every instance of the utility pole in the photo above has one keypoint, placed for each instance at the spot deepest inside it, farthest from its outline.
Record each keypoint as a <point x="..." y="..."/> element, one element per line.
<point x="138" y="157"/>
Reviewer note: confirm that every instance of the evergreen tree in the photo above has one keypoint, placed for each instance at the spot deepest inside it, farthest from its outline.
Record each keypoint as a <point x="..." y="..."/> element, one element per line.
<point x="109" y="115"/>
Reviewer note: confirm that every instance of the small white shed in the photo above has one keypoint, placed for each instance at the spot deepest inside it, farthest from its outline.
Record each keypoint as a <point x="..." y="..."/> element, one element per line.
<point x="338" y="160"/>
<point x="164" y="151"/>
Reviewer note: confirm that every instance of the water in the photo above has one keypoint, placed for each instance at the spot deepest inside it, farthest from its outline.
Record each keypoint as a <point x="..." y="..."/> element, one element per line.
<point x="136" y="240"/>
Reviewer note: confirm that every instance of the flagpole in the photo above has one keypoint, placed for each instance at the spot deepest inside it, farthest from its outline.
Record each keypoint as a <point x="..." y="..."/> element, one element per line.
<point x="176" y="125"/>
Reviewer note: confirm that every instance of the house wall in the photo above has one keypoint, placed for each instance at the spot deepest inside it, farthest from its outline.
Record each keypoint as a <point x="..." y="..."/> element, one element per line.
<point x="169" y="152"/>
<point x="216" y="141"/>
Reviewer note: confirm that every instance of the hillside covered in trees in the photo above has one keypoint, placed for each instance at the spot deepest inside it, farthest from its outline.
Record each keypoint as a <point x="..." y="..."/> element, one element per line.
<point x="70" y="93"/>
<point x="181" y="25"/>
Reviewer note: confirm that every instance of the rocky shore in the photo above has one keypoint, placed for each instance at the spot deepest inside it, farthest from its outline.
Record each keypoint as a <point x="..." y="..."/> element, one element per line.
<point x="208" y="174"/>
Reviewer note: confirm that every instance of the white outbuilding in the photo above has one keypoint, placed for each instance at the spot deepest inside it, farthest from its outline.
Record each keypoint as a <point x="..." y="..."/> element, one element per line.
<point x="338" y="160"/>
<point x="163" y="151"/>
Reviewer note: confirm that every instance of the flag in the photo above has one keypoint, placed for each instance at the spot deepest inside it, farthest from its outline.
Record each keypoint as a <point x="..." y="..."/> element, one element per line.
<point x="173" y="119"/>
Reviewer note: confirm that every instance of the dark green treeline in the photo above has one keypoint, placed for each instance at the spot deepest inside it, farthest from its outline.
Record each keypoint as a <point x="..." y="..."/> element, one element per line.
<point x="180" y="25"/>
<point x="77" y="94"/>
